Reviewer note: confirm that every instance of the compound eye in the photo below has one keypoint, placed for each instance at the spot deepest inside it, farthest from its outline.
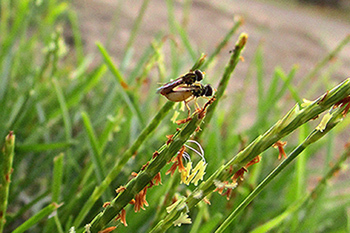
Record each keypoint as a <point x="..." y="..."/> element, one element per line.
<point x="199" y="75"/>
<point x="208" y="90"/>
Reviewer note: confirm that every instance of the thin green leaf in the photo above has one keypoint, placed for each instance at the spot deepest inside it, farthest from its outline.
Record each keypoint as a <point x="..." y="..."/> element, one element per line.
<point x="96" y="150"/>
<point x="125" y="93"/>
<point x="35" y="219"/>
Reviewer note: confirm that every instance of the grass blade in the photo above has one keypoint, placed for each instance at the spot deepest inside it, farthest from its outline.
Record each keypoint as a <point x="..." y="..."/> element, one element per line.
<point x="57" y="177"/>
<point x="36" y="218"/>
<point x="6" y="171"/>
<point x="64" y="108"/>
<point x="125" y="93"/>
<point x="95" y="154"/>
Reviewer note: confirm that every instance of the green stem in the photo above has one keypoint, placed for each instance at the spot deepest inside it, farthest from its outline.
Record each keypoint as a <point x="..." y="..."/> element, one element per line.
<point x="313" y="137"/>
<point x="6" y="171"/>
<point x="36" y="218"/>
<point x="145" y="177"/>
<point x="125" y="92"/>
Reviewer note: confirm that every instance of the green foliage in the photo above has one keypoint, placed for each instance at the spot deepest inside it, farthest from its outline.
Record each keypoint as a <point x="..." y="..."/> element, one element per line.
<point x="82" y="128"/>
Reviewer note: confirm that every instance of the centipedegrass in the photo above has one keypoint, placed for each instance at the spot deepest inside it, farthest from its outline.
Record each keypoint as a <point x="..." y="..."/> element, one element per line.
<point x="88" y="145"/>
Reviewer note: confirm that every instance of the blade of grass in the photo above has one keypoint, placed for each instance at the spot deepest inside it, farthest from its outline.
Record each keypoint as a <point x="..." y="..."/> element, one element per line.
<point x="6" y="171"/>
<point x="301" y="167"/>
<point x="286" y="82"/>
<point x="58" y="224"/>
<point x="56" y="186"/>
<point x="25" y="208"/>
<point x="18" y="26"/>
<point x="78" y="41"/>
<point x="145" y="57"/>
<point x="272" y="96"/>
<point x="64" y="109"/>
<point x="86" y="84"/>
<point x="196" y="226"/>
<point x="185" y="40"/>
<point x="293" y="91"/>
<point x="152" y="61"/>
<point x="17" y="110"/>
<point x="297" y="186"/>
<point x="35" y="219"/>
<point x="57" y="178"/>
<point x="125" y="93"/>
<point x="95" y="154"/>
<point x="5" y="16"/>
<point x="5" y="76"/>
<point x="112" y="123"/>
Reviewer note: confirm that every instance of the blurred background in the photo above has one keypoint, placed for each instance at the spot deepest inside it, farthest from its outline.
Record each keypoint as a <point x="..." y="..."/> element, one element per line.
<point x="291" y="32"/>
<point x="61" y="99"/>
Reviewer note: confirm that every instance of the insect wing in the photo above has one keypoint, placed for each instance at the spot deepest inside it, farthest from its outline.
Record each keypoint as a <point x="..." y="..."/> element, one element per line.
<point x="170" y="85"/>
<point x="179" y="93"/>
<point x="183" y="88"/>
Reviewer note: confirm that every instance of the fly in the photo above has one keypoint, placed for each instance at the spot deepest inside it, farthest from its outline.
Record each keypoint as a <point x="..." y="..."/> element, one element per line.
<point x="186" y="79"/>
<point x="187" y="93"/>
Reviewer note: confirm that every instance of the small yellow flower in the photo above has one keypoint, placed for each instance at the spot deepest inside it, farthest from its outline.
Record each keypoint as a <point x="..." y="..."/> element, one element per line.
<point x="87" y="228"/>
<point x="324" y="122"/>
<point x="199" y="170"/>
<point x="176" y="114"/>
<point x="186" y="173"/>
<point x="219" y="186"/>
<point x="288" y="118"/>
<point x="198" y="194"/>
<point x="183" y="219"/>
<point x="306" y="103"/>
<point x="231" y="185"/>
<point x="172" y="206"/>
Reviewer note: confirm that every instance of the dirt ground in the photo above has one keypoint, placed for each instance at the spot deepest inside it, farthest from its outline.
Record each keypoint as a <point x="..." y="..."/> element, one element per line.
<point x="291" y="34"/>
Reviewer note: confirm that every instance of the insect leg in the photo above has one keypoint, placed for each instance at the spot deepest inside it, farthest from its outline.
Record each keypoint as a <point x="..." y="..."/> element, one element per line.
<point x="188" y="108"/>
<point x="197" y="105"/>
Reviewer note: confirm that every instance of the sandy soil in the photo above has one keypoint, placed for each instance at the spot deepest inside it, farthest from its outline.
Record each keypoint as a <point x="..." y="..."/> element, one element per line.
<point x="291" y="34"/>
